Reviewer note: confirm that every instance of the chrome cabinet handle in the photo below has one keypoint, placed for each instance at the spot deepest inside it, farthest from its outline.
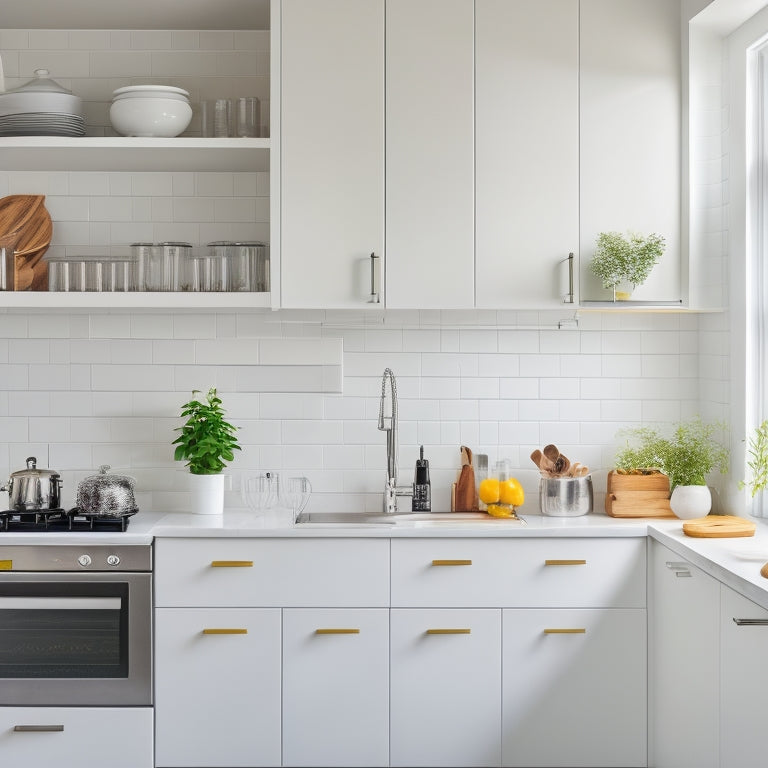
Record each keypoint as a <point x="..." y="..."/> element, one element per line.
<point x="569" y="297"/>
<point x="750" y="622"/>
<point x="680" y="570"/>
<point x="38" y="728"/>
<point x="374" y="297"/>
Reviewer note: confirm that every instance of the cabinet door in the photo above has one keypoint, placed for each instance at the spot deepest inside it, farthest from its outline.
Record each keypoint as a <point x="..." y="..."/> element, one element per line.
<point x="332" y="150"/>
<point x="684" y="639"/>
<point x="73" y="737"/>
<point x="630" y="133"/>
<point x="336" y="687"/>
<point x="217" y="687"/>
<point x="430" y="153"/>
<point x="527" y="153"/>
<point x="574" y="689"/>
<point x="744" y="682"/>
<point x="445" y="687"/>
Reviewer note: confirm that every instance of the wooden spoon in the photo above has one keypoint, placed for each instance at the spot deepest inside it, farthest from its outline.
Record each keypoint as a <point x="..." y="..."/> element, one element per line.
<point x="536" y="458"/>
<point x="551" y="452"/>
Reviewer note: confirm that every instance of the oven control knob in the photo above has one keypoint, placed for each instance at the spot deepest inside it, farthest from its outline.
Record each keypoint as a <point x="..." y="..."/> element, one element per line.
<point x="84" y="560"/>
<point x="113" y="560"/>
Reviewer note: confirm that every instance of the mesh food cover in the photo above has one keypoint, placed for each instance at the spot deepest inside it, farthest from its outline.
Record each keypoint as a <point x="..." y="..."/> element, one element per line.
<point x="106" y="494"/>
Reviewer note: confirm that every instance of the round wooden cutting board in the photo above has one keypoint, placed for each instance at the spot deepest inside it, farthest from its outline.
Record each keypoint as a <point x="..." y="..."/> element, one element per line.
<point x="718" y="526"/>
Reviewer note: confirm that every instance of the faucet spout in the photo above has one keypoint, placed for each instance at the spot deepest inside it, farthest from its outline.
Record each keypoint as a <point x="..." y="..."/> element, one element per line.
<point x="388" y="423"/>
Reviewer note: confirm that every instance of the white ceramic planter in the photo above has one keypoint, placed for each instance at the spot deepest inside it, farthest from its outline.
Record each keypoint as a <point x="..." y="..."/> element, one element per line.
<point x="207" y="494"/>
<point x="691" y="501"/>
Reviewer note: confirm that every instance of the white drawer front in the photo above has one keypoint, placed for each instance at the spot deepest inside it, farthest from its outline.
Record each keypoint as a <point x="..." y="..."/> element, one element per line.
<point x="544" y="573"/>
<point x="272" y="572"/>
<point x="70" y="737"/>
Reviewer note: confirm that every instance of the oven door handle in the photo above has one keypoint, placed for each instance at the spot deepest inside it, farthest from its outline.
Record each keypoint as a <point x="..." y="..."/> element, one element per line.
<point x="38" y="728"/>
<point x="61" y="603"/>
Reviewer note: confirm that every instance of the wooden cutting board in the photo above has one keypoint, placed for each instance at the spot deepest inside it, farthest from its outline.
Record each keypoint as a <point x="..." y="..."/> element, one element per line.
<point x="26" y="227"/>
<point x="718" y="526"/>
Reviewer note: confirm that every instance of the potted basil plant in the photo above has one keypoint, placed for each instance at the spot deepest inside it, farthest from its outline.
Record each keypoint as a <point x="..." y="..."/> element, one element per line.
<point x="622" y="262"/>
<point x="206" y="441"/>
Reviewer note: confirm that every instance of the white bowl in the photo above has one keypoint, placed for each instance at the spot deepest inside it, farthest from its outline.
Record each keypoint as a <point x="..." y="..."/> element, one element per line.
<point x="151" y="95"/>
<point x="150" y="117"/>
<point x="139" y="89"/>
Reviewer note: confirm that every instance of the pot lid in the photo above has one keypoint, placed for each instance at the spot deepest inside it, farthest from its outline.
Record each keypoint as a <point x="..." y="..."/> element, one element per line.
<point x="33" y="471"/>
<point x="41" y="83"/>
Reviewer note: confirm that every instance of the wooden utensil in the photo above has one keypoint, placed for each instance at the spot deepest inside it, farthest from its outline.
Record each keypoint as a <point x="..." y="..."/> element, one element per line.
<point x="26" y="228"/>
<point x="719" y="526"/>
<point x="764" y="571"/>
<point x="536" y="458"/>
<point x="551" y="452"/>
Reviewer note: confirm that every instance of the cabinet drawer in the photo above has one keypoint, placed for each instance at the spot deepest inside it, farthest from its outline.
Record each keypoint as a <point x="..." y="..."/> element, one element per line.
<point x="77" y="736"/>
<point x="272" y="572"/>
<point x="524" y="573"/>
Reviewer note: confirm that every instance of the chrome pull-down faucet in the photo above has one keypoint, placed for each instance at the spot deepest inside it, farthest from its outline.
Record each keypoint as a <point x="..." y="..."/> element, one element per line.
<point x="388" y="424"/>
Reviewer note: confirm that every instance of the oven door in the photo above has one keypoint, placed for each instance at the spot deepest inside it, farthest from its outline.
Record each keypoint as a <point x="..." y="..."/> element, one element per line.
<point x="76" y="639"/>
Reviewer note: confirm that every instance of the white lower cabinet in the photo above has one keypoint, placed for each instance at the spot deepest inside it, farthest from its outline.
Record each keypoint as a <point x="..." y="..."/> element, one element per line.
<point x="574" y="687"/>
<point x="335" y="687"/>
<point x="76" y="737"/>
<point x="445" y="687"/>
<point x="217" y="679"/>
<point x="744" y="682"/>
<point x="684" y="648"/>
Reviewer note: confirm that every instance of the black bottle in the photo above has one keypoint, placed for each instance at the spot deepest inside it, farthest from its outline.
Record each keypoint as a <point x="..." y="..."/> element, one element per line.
<point x="422" y="494"/>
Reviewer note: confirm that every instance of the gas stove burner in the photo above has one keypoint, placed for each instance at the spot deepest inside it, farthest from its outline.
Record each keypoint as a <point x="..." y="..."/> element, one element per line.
<point x="61" y="520"/>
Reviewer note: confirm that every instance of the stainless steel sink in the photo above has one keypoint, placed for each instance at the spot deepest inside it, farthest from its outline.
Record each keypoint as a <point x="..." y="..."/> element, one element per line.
<point x="411" y="519"/>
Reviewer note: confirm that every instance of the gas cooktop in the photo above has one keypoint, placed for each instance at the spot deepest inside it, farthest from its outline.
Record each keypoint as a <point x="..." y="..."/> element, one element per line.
<point x="60" y="520"/>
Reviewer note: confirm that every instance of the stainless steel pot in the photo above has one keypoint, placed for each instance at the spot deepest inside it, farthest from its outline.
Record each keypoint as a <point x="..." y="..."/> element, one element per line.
<point x="565" y="496"/>
<point x="106" y="494"/>
<point x="33" y="489"/>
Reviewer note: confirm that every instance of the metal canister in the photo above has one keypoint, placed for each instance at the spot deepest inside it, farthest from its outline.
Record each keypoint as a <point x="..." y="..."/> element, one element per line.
<point x="565" y="496"/>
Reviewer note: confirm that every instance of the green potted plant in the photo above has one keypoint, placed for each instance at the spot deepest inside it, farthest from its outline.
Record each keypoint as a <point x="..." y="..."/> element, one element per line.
<point x="757" y="461"/>
<point x="686" y="455"/>
<point x="206" y="441"/>
<point x="629" y="259"/>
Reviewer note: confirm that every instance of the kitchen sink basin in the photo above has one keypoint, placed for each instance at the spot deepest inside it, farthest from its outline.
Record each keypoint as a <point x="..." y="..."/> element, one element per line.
<point x="409" y="519"/>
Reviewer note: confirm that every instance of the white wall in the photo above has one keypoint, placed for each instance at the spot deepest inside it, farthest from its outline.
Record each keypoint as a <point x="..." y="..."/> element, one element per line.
<point x="78" y="390"/>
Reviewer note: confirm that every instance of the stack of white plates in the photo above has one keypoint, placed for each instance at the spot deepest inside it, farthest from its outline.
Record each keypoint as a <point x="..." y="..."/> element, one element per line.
<point x="41" y="107"/>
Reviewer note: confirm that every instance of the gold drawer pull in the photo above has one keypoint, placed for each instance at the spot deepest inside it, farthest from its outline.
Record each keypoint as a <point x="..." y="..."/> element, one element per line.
<point x="466" y="631"/>
<point x="38" y="728"/>
<point x="565" y="562"/>
<point x="340" y="631"/>
<point x="225" y="631"/>
<point x="451" y="562"/>
<point x="232" y="564"/>
<point x="573" y="631"/>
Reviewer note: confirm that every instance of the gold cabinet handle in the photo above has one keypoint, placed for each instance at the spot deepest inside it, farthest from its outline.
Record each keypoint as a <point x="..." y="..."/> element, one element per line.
<point x="38" y="728"/>
<point x="337" y="631"/>
<point x="565" y="562"/>
<point x="232" y="564"/>
<point x="451" y="562"/>
<point x="225" y="631"/>
<point x="463" y="631"/>
<point x="568" y="631"/>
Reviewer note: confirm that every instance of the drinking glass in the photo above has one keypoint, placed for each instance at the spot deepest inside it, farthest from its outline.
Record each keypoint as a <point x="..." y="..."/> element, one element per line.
<point x="260" y="492"/>
<point x="248" y="116"/>
<point x="295" y="494"/>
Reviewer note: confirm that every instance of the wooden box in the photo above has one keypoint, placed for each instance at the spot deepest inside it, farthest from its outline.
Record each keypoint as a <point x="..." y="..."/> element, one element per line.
<point x="638" y="495"/>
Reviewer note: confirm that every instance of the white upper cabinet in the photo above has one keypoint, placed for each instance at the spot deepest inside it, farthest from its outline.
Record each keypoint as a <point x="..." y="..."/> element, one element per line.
<point x="527" y="152"/>
<point x="629" y="132"/>
<point x="429" y="153"/>
<point x="332" y="150"/>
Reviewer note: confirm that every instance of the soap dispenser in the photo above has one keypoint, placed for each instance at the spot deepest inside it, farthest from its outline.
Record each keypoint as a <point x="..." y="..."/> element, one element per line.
<point x="422" y="494"/>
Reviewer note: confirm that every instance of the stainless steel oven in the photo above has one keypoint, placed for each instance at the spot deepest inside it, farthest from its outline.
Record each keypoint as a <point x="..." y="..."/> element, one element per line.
<point x="76" y="625"/>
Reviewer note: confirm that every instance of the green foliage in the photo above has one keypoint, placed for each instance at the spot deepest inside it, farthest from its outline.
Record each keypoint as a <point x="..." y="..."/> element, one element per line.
<point x="206" y="439"/>
<point x="686" y="455"/>
<point x="631" y="258"/>
<point x="758" y="461"/>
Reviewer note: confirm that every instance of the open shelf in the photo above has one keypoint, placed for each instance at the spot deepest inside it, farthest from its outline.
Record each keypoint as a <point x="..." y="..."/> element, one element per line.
<point x="133" y="300"/>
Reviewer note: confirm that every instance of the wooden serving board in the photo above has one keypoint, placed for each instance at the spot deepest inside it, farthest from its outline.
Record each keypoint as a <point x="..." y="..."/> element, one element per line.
<point x="718" y="526"/>
<point x="637" y="495"/>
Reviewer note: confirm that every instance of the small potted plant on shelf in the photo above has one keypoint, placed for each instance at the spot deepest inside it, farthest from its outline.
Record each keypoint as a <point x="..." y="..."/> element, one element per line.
<point x="621" y="262"/>
<point x="206" y="441"/>
<point x="686" y="456"/>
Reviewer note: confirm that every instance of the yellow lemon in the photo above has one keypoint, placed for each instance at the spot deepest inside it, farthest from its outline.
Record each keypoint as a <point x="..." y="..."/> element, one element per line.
<point x="511" y="492"/>
<point x="499" y="510"/>
<point x="488" y="491"/>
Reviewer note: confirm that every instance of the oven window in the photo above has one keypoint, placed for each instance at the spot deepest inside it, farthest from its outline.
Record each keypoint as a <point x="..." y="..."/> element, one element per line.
<point x="63" y="630"/>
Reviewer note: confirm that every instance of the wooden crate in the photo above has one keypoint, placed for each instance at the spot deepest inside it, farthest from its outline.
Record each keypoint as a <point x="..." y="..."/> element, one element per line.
<point x="638" y="495"/>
